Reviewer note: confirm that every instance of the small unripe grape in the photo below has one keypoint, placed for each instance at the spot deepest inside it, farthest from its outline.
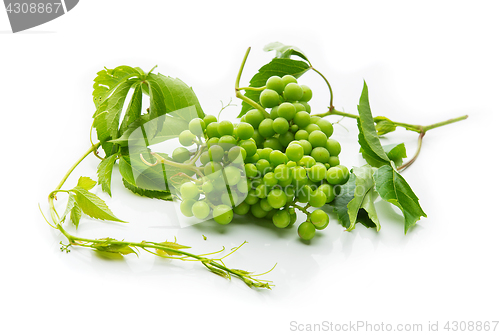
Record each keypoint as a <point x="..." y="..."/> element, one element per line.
<point x="209" y="119"/>
<point x="281" y="218"/>
<point x="244" y="130"/>
<point x="327" y="189"/>
<point x="225" y="128"/>
<point x="301" y="135"/>
<point x="251" y="171"/>
<point x="307" y="93"/>
<point x="212" y="141"/>
<point x="315" y="119"/>
<point x="216" y="153"/>
<point x="287" y="79"/>
<point x="299" y="175"/>
<point x="307" y="161"/>
<point x="277" y="157"/>
<point x="337" y="175"/>
<point x="212" y="129"/>
<point x="273" y="143"/>
<point x="232" y="174"/>
<point x="252" y="197"/>
<point x="317" y="173"/>
<point x="269" y="98"/>
<point x="317" y="139"/>
<point x="275" y="83"/>
<point x="280" y="125"/>
<point x="223" y="214"/>
<point x="186" y="138"/>
<point x="269" y="179"/>
<point x="242" y="208"/>
<point x="252" y="159"/>
<point x="293" y="92"/>
<point x="264" y="153"/>
<point x="274" y="112"/>
<point x="317" y="198"/>
<point x="243" y="186"/>
<point x="229" y="199"/>
<point x="180" y="154"/>
<point x="204" y="158"/>
<point x="286" y="138"/>
<point x="207" y="187"/>
<point x="306" y="105"/>
<point x="261" y="191"/>
<point x="333" y="161"/>
<point x="333" y="147"/>
<point x="197" y="126"/>
<point x="263" y="166"/>
<point x="320" y="154"/>
<point x="326" y="127"/>
<point x="236" y="154"/>
<point x="258" y="211"/>
<point x="257" y="137"/>
<point x="306" y="145"/>
<point x="299" y="107"/>
<point x="286" y="110"/>
<point x="266" y="128"/>
<point x="319" y="219"/>
<point x="294" y="128"/>
<point x="189" y="191"/>
<point x="302" y="119"/>
<point x="254" y="117"/>
<point x="249" y="146"/>
<point x="186" y="207"/>
<point x="312" y="127"/>
<point x="211" y="167"/>
<point x="282" y="172"/>
<point x="295" y="152"/>
<point x="201" y="210"/>
<point x="227" y="142"/>
<point x="306" y="230"/>
<point x="264" y="204"/>
<point x="277" y="198"/>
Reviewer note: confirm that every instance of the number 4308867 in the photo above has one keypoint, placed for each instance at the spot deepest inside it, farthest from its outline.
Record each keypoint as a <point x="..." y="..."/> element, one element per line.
<point x="33" y="8"/>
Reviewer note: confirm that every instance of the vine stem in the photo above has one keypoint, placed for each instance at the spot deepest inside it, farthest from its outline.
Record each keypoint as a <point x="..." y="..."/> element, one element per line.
<point x="237" y="88"/>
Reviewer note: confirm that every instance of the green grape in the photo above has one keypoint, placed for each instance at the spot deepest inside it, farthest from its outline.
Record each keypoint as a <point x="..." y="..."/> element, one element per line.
<point x="258" y="211"/>
<point x="264" y="204"/>
<point x="302" y="119"/>
<point x="275" y="83"/>
<point x="285" y="182"/>
<point x="299" y="175"/>
<point x="274" y="112"/>
<point x="277" y="198"/>
<point x="306" y="145"/>
<point x="223" y="214"/>
<point x="229" y="199"/>
<point x="219" y="184"/>
<point x="281" y="218"/>
<point x="304" y="193"/>
<point x="212" y="141"/>
<point x="252" y="159"/>
<point x="293" y="92"/>
<point x="262" y="191"/>
<point x="312" y="127"/>
<point x="211" y="167"/>
<point x="186" y="138"/>
<point x="295" y="152"/>
<point x="337" y="175"/>
<point x="225" y="128"/>
<point x="269" y="179"/>
<point x="242" y="208"/>
<point x="187" y="207"/>
<point x="294" y="128"/>
<point x="282" y="173"/>
<point x="263" y="166"/>
<point x="320" y="154"/>
<point x="189" y="191"/>
<point x="291" y="164"/>
<point x="287" y="79"/>
<point x="317" y="198"/>
<point x="333" y="161"/>
<point x="319" y="219"/>
<point x="307" y="161"/>
<point x="293" y="217"/>
<point x="287" y="110"/>
<point x="257" y="137"/>
<point x="254" y="117"/>
<point x="209" y="119"/>
<point x="307" y="93"/>
<point x="197" y="126"/>
<point x="306" y="230"/>
<point x="244" y="131"/>
<point x="266" y="128"/>
<point x="306" y="106"/>
<point x="251" y="171"/>
<point x="236" y="155"/>
<point x="232" y="175"/>
<point x="227" y="142"/>
<point x="326" y="127"/>
<point x="327" y="189"/>
<point x="315" y="119"/>
<point x="207" y="187"/>
<point x="204" y="158"/>
<point x="270" y="214"/>
<point x="252" y="197"/>
<point x="273" y="143"/>
<point x="213" y="130"/>
<point x="301" y="135"/>
<point x="333" y="147"/>
<point x="276" y="157"/>
<point x="264" y="153"/>
<point x="249" y="146"/>
<point x="290" y="192"/>
<point x="180" y="154"/>
<point x="299" y="107"/>
<point x="317" y="172"/>
<point x="280" y="125"/>
<point x="286" y="138"/>
<point x="243" y="186"/>
<point x="317" y="139"/>
<point x="269" y="98"/>
<point x="216" y="153"/>
<point x="200" y="210"/>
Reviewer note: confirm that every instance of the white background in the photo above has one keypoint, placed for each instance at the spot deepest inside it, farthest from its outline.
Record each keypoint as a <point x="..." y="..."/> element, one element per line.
<point x="423" y="61"/>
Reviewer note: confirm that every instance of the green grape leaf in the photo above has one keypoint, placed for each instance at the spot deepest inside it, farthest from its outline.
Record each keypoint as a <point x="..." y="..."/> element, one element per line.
<point x="341" y="201"/>
<point x="371" y="148"/>
<point x="92" y="205"/>
<point x="285" y="51"/>
<point x="277" y="67"/>
<point x="104" y="171"/>
<point x="134" y="108"/>
<point x="86" y="183"/>
<point x="384" y="125"/>
<point x="107" y="245"/>
<point x="363" y="197"/>
<point x="162" y="195"/>
<point x="69" y="206"/>
<point x="396" y="152"/>
<point x="108" y="79"/>
<point x="171" y="245"/>
<point x="393" y="188"/>
<point x="76" y="215"/>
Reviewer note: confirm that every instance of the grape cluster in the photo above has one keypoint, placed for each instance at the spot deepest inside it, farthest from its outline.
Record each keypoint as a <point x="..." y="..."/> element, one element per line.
<point x="266" y="165"/>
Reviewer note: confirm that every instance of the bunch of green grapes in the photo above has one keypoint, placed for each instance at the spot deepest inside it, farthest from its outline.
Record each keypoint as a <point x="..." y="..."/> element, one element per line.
<point x="268" y="166"/>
